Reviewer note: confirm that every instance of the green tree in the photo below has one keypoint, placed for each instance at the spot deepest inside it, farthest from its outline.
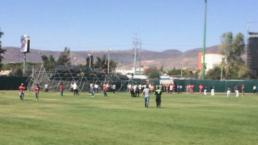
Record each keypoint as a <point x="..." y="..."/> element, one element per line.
<point x="64" y="58"/>
<point x="2" y="51"/>
<point x="102" y="64"/>
<point x="152" y="72"/>
<point x="233" y="48"/>
<point x="17" y="72"/>
<point x="174" y="72"/>
<point x="48" y="62"/>
<point x="161" y="69"/>
<point x="214" y="74"/>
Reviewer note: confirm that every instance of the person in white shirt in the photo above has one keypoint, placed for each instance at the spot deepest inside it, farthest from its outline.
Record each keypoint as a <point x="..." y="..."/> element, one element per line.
<point x="96" y="88"/>
<point x="254" y="89"/>
<point x="146" y="94"/>
<point x="212" y="91"/>
<point x="228" y="92"/>
<point x="171" y="86"/>
<point x="237" y="91"/>
<point x="46" y="87"/>
<point x="71" y="87"/>
<point x="75" y="89"/>
<point x="92" y="90"/>
<point x="205" y="91"/>
<point x="114" y="88"/>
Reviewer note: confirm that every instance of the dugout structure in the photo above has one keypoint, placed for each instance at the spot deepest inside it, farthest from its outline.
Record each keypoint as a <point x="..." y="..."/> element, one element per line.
<point x="83" y="76"/>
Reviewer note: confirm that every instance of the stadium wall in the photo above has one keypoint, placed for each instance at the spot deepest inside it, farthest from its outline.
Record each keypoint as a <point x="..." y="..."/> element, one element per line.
<point x="219" y="85"/>
<point x="12" y="83"/>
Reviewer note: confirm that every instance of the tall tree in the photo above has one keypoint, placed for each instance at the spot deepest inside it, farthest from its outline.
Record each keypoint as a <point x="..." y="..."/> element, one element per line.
<point x="64" y="58"/>
<point x="102" y="63"/>
<point x="152" y="73"/>
<point x="174" y="72"/>
<point x="48" y="62"/>
<point x="233" y="48"/>
<point x="214" y="74"/>
<point x="2" y="51"/>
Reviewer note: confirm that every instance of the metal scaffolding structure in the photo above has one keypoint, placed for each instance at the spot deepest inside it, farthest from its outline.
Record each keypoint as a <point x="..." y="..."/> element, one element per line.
<point x="82" y="76"/>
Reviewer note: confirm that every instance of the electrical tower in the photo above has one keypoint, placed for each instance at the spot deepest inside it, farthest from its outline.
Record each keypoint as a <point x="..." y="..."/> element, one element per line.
<point x="137" y="45"/>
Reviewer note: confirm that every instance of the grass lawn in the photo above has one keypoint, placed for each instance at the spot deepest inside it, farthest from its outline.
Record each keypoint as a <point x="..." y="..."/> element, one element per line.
<point x="121" y="120"/>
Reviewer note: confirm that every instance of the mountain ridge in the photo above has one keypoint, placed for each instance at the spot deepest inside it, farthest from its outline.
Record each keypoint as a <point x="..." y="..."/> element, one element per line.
<point x="169" y="58"/>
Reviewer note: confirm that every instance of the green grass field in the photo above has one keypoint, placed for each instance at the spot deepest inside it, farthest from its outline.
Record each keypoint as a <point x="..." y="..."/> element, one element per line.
<point x="121" y="120"/>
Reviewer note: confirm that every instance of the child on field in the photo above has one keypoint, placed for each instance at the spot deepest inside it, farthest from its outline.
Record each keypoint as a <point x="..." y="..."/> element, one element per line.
<point x="105" y="89"/>
<point x="36" y="90"/>
<point x="21" y="91"/>
<point x="61" y="89"/>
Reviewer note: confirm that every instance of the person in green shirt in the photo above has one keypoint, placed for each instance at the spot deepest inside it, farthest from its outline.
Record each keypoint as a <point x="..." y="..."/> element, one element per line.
<point x="158" y="93"/>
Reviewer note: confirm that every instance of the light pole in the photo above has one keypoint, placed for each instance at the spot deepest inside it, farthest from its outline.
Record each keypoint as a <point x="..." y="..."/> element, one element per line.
<point x="204" y="41"/>
<point x="108" y="60"/>
<point x="1" y="50"/>
<point x="1" y="34"/>
<point x="25" y="48"/>
<point x="89" y="56"/>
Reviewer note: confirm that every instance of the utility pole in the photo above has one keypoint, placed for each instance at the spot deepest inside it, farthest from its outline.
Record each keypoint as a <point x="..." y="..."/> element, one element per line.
<point x="25" y="48"/>
<point x="108" y="60"/>
<point x="181" y="71"/>
<point x="1" y="34"/>
<point x="1" y="50"/>
<point x="204" y="41"/>
<point x="139" y="55"/>
<point x="136" y="46"/>
<point x="89" y="56"/>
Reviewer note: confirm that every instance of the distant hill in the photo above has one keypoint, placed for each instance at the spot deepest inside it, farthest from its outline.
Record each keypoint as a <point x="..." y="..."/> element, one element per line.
<point x="168" y="58"/>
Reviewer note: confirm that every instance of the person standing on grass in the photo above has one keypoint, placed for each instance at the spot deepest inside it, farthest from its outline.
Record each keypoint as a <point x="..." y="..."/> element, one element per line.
<point x="146" y="94"/>
<point x="158" y="93"/>
<point x="92" y="90"/>
<point x="61" y="89"/>
<point x="46" y="87"/>
<point x="242" y="89"/>
<point x="212" y="91"/>
<point x="36" y="90"/>
<point x="171" y="88"/>
<point x="237" y="91"/>
<point x="75" y="89"/>
<point x="71" y="87"/>
<point x="105" y="89"/>
<point x="200" y="88"/>
<point x="228" y="92"/>
<point x="205" y="91"/>
<point x="254" y="89"/>
<point x="21" y="91"/>
<point x="114" y="88"/>
<point x="95" y="88"/>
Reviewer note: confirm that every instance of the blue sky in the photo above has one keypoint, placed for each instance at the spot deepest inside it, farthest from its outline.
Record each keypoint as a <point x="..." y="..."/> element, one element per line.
<point x="102" y="24"/>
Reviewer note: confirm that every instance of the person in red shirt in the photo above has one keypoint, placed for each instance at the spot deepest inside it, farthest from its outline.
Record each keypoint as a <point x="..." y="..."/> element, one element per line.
<point x="200" y="88"/>
<point x="61" y="89"/>
<point x="21" y="91"/>
<point x="36" y="90"/>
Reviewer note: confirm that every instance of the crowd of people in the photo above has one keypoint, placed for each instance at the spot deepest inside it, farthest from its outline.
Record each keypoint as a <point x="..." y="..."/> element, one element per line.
<point x="137" y="90"/>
